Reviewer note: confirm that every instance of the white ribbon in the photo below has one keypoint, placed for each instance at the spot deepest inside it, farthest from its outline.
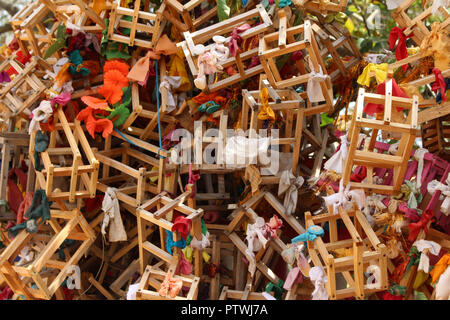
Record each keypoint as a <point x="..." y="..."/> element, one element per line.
<point x="434" y="186"/>
<point x="289" y="184"/>
<point x="432" y="247"/>
<point x="201" y="244"/>
<point x="443" y="286"/>
<point x="393" y="148"/>
<point x="74" y="277"/>
<point x="337" y="160"/>
<point x="241" y="151"/>
<point x="41" y="113"/>
<point x="255" y="237"/>
<point x="111" y="208"/>
<point x="314" y="90"/>
<point x="346" y="198"/>
<point x="439" y="3"/>
<point x="318" y="277"/>
<point x="170" y="83"/>
<point x="419" y="155"/>
<point x="374" y="280"/>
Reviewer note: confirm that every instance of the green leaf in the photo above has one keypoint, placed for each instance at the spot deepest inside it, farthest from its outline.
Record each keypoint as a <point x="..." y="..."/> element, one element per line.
<point x="121" y="114"/>
<point x="126" y="98"/>
<point x="353" y="8"/>
<point x="104" y="42"/>
<point x="58" y="45"/>
<point x="126" y="31"/>
<point x="223" y="10"/>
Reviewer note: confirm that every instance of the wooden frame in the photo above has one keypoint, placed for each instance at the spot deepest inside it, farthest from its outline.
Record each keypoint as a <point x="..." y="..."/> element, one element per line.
<point x="223" y="28"/>
<point x="157" y="24"/>
<point x="331" y="38"/>
<point x="387" y="123"/>
<point x="284" y="42"/>
<point x="30" y="31"/>
<point x="417" y="24"/>
<point x="180" y="15"/>
<point x="322" y="7"/>
<point x="164" y="205"/>
<point x="365" y="252"/>
<point x="436" y="137"/>
<point x="79" y="173"/>
<point x="154" y="278"/>
<point x="79" y="12"/>
<point x="75" y="228"/>
<point x="25" y="81"/>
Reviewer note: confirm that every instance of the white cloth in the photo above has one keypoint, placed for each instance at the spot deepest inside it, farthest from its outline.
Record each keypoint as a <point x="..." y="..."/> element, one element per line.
<point x="337" y="160"/>
<point x="318" y="277"/>
<point x="255" y="237"/>
<point x="74" y="277"/>
<point x="373" y="203"/>
<point x="201" y="244"/>
<point x="346" y="198"/>
<point x="26" y="255"/>
<point x="111" y="208"/>
<point x="439" y="3"/>
<point x="314" y="90"/>
<point x="419" y="155"/>
<point x="393" y="4"/>
<point x="289" y="185"/>
<point x="374" y="280"/>
<point x="170" y="83"/>
<point x="42" y="113"/>
<point x="241" y="151"/>
<point x="132" y="289"/>
<point x="434" y="186"/>
<point x="443" y="286"/>
<point x="433" y="248"/>
<point x="393" y="148"/>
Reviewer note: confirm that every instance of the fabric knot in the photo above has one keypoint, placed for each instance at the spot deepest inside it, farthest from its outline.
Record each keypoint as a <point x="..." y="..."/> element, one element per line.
<point x="319" y="278"/>
<point x="289" y="184"/>
<point x="112" y="217"/>
<point x="170" y="243"/>
<point x="310" y="235"/>
<point x="266" y="111"/>
<point x="236" y="39"/>
<point x="255" y="237"/>
<point x="426" y="247"/>
<point x="414" y="228"/>
<point x="276" y="288"/>
<point x="440" y="85"/>
<point x="182" y="225"/>
<point x="434" y="186"/>
<point x="314" y="90"/>
<point x="400" y="52"/>
<point x="377" y="70"/>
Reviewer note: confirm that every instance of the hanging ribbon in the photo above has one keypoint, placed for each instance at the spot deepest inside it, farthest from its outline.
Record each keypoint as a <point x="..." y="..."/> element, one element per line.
<point x="140" y="71"/>
<point x="266" y="112"/>
<point x="319" y="278"/>
<point x="426" y="247"/>
<point x="236" y="40"/>
<point x="379" y="71"/>
<point x="413" y="258"/>
<point x="40" y="145"/>
<point x="183" y="265"/>
<point x="192" y="179"/>
<point x="434" y="186"/>
<point x="337" y="160"/>
<point x="255" y="237"/>
<point x="314" y="90"/>
<point x="310" y="235"/>
<point x="419" y="155"/>
<point x="372" y="108"/>
<point x="293" y="276"/>
<point x="170" y="83"/>
<point x="170" y="243"/>
<point x="440" y="85"/>
<point x="110" y="207"/>
<point x="400" y="52"/>
<point x="415" y="227"/>
<point x="289" y="185"/>
<point x="204" y="242"/>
